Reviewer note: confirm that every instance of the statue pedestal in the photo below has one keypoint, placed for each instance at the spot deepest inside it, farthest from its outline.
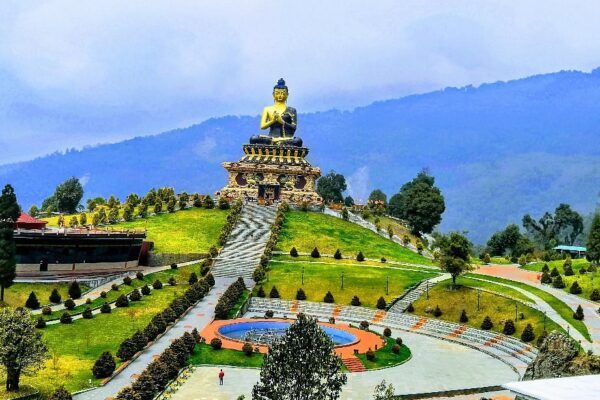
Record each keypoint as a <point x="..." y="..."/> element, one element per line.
<point x="269" y="173"/>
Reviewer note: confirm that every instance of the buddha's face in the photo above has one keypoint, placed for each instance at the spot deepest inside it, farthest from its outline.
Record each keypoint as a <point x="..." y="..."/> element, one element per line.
<point x="280" y="95"/>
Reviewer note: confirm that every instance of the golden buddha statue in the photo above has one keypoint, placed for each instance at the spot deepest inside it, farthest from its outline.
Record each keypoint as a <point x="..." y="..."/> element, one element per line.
<point x="279" y="119"/>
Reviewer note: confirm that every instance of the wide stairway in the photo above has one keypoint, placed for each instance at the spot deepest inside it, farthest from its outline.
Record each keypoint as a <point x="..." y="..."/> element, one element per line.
<point x="246" y="244"/>
<point x="412" y="295"/>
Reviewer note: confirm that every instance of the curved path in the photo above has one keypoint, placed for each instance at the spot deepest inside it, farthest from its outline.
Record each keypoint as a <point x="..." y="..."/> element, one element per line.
<point x="435" y="365"/>
<point x="592" y="318"/>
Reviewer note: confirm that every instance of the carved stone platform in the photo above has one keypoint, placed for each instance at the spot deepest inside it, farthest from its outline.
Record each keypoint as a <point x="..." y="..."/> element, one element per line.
<point x="268" y="172"/>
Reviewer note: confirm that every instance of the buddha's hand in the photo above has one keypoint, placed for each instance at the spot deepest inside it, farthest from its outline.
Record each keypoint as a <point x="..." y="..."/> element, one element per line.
<point x="279" y="118"/>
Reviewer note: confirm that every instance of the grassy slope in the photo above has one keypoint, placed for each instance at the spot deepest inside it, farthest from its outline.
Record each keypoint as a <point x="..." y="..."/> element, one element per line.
<point x="502" y="290"/>
<point x="557" y="305"/>
<point x="498" y="308"/>
<point x="17" y="294"/>
<point x="368" y="283"/>
<point x="347" y="261"/>
<point x="587" y="281"/>
<point x="306" y="230"/>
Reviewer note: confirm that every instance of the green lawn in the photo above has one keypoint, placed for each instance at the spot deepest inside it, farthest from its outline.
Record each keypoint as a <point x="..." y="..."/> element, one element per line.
<point x="588" y="281"/>
<point x="399" y="229"/>
<point x="368" y="283"/>
<point x="74" y="348"/>
<point x="17" y="294"/>
<point x="498" y="308"/>
<point x="557" y="305"/>
<point x="204" y="354"/>
<point x="486" y="285"/>
<point x="306" y="230"/>
<point x="347" y="261"/>
<point x="180" y="274"/>
<point x="385" y="358"/>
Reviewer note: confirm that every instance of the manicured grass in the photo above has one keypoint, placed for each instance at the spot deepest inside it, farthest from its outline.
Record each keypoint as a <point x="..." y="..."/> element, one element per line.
<point x="204" y="354"/>
<point x="75" y="347"/>
<point x="498" y="308"/>
<point x="399" y="229"/>
<point x="588" y="281"/>
<point x="347" y="261"/>
<point x="368" y="283"/>
<point x="485" y="285"/>
<point x="17" y="294"/>
<point x="557" y="305"/>
<point x="384" y="357"/>
<point x="24" y="390"/>
<point x="193" y="230"/>
<point x="307" y="230"/>
<point x="180" y="274"/>
<point x="238" y="304"/>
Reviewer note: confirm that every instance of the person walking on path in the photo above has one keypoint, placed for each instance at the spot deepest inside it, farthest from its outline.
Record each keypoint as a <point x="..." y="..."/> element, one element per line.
<point x="221" y="376"/>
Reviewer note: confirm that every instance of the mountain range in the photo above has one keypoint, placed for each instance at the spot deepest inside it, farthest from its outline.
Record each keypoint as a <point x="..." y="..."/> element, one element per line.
<point x="497" y="151"/>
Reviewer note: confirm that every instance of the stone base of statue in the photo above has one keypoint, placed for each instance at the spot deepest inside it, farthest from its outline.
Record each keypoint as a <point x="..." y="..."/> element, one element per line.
<point x="268" y="173"/>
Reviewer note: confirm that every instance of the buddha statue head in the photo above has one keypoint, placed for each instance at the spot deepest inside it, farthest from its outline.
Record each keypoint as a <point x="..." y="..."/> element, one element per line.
<point x="280" y="91"/>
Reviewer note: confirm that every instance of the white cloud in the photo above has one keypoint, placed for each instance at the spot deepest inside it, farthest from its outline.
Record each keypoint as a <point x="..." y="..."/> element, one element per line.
<point x="118" y="69"/>
<point x="359" y="185"/>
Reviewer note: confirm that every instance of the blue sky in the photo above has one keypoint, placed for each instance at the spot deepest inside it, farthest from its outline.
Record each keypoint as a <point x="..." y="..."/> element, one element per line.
<point x="86" y="72"/>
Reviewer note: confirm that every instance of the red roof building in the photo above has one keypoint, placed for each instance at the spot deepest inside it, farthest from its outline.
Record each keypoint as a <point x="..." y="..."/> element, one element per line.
<point x="26" y="221"/>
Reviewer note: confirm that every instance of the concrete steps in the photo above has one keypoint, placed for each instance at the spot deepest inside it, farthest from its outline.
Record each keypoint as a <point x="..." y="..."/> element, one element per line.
<point x="353" y="364"/>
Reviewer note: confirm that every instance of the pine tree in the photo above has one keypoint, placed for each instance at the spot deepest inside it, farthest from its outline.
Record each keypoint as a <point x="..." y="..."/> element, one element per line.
<point x="360" y="256"/>
<point x="509" y="327"/>
<point x="328" y="298"/>
<point x="558" y="282"/>
<point x="55" y="297"/>
<point x="554" y="273"/>
<point x="104" y="366"/>
<point x="300" y="295"/>
<point x="355" y="301"/>
<point x="74" y="290"/>
<point x="301" y="365"/>
<point x="578" y="314"/>
<point x="274" y="294"/>
<point x="32" y="302"/>
<point x="381" y="303"/>
<point x="9" y="213"/>
<point x="575" y="288"/>
<point x="338" y="254"/>
<point x="487" y="323"/>
<point x="593" y="243"/>
<point x="294" y="252"/>
<point x="463" y="317"/>
<point x="595" y="296"/>
<point x="546" y="279"/>
<point x="315" y="253"/>
<point x="261" y="292"/>
<point x="528" y="335"/>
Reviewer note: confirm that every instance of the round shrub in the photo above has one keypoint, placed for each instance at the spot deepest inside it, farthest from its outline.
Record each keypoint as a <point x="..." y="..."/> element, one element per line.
<point x="364" y="324"/>
<point x="145" y="290"/>
<point x="463" y="317"/>
<point x="174" y="266"/>
<point x="104" y="366"/>
<point x="410" y="308"/>
<point x="396" y="349"/>
<point x="247" y="349"/>
<point x="210" y="279"/>
<point x="269" y="314"/>
<point x="127" y="349"/>
<point x="135" y="295"/>
<point x="328" y="298"/>
<point x="487" y="324"/>
<point x="66" y="318"/>
<point x="127" y="281"/>
<point x="122" y="301"/>
<point x="87" y="313"/>
<point x="216" y="344"/>
<point x="315" y="253"/>
<point x="355" y="301"/>
<point x="261" y="292"/>
<point x="509" y="327"/>
<point x="383" y="260"/>
<point x="399" y="341"/>
<point x="274" y="293"/>
<point x="381" y="303"/>
<point x="575" y="288"/>
<point x="294" y="252"/>
<point x="387" y="332"/>
<point x="300" y="295"/>
<point x="114" y="287"/>
<point x="61" y="394"/>
<point x="46" y="310"/>
<point x="360" y="256"/>
<point x="105" y="309"/>
<point x="437" y="312"/>
<point x="69" y="304"/>
<point x="370" y="355"/>
<point x="32" y="302"/>
<point x="338" y="254"/>
<point x="193" y="278"/>
<point x="139" y="275"/>
<point x="578" y="314"/>
<point x="55" y="297"/>
<point x="74" y="290"/>
<point x="172" y="281"/>
<point x="157" y="284"/>
<point x="88" y="301"/>
<point x="41" y="323"/>
<point x="528" y="335"/>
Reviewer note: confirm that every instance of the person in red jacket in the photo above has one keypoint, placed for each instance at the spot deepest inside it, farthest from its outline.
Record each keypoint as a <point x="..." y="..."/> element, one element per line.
<point x="221" y="376"/>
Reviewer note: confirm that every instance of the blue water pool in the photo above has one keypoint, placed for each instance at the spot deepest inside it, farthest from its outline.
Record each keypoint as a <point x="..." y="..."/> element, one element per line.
<point x="264" y="332"/>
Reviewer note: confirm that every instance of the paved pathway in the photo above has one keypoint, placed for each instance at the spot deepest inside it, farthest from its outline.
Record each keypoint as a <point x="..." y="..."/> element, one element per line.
<point x="590" y="308"/>
<point x="197" y="317"/>
<point x="435" y="365"/>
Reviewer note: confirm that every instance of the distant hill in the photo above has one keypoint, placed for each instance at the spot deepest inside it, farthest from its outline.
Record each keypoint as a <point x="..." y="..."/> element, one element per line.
<point x="498" y="151"/>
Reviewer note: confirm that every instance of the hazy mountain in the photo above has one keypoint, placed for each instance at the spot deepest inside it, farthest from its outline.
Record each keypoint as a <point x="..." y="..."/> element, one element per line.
<point x="497" y="151"/>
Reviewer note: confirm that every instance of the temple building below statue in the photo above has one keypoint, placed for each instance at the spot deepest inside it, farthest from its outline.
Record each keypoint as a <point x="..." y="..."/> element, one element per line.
<point x="274" y="166"/>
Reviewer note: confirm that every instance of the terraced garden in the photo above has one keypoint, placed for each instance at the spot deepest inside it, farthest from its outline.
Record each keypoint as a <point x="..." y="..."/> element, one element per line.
<point x="307" y="230"/>
<point x="17" y="294"/>
<point x="588" y="280"/>
<point x="366" y="282"/>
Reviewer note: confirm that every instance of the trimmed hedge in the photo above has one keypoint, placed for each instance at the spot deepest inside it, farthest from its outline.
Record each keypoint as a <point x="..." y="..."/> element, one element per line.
<point x="229" y="298"/>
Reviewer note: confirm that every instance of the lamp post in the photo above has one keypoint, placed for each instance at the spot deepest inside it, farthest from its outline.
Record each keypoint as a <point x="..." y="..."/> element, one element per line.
<point x="516" y="310"/>
<point x="387" y="285"/>
<point x="427" y="289"/>
<point x="342" y="279"/>
<point x="478" y="299"/>
<point x="302" y="276"/>
<point x="544" y="320"/>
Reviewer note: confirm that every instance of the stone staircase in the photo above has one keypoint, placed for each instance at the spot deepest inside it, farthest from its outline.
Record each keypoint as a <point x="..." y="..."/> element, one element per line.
<point x="401" y="304"/>
<point x="353" y="364"/>
<point x="246" y="244"/>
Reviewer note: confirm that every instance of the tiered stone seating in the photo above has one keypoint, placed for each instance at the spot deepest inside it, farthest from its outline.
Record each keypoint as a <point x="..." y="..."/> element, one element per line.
<point x="246" y="244"/>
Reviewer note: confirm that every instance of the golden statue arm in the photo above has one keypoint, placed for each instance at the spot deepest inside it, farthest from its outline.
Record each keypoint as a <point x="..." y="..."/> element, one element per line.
<point x="265" y="122"/>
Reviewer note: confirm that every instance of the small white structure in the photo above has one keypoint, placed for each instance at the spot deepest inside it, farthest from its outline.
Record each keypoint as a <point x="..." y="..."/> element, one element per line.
<point x="586" y="387"/>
